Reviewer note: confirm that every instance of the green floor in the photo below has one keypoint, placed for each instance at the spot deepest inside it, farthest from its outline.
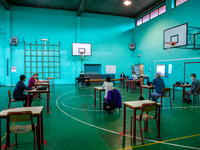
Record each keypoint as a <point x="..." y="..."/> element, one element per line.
<point x="74" y="124"/>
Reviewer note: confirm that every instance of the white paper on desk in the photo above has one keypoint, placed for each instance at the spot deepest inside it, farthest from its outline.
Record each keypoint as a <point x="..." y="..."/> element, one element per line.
<point x="13" y="69"/>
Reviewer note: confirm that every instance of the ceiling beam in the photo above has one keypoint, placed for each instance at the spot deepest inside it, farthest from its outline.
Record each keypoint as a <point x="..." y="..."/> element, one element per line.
<point x="81" y="7"/>
<point x="5" y="4"/>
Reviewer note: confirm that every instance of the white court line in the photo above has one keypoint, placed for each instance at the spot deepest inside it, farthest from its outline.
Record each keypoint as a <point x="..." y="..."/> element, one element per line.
<point x="115" y="131"/>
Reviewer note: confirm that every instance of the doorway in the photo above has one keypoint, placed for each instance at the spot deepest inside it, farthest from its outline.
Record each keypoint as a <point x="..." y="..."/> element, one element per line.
<point x="139" y="69"/>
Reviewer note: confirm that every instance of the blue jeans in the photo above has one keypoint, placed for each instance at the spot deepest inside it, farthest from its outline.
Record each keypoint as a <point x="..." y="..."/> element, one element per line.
<point x="153" y="96"/>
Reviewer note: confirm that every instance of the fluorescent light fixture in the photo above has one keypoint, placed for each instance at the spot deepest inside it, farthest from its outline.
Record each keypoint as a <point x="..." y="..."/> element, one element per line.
<point x="127" y="2"/>
<point x="43" y="39"/>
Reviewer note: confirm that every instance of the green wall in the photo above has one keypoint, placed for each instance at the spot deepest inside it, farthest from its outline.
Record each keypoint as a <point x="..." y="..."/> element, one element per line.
<point x="149" y="42"/>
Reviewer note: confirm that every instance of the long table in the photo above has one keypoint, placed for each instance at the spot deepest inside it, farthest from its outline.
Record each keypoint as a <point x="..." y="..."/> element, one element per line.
<point x="36" y="111"/>
<point x="135" y="105"/>
<point x="83" y="79"/>
<point x="39" y="91"/>
<point x="131" y="82"/>
<point x="183" y="86"/>
<point x="99" y="89"/>
<point x="146" y="87"/>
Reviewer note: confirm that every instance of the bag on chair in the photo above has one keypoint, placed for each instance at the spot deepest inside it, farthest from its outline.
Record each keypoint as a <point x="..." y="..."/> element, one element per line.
<point x="141" y="98"/>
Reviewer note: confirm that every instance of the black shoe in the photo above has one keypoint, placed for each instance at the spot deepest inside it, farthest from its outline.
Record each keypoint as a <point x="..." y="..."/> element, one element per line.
<point x="189" y="100"/>
<point x="39" y="97"/>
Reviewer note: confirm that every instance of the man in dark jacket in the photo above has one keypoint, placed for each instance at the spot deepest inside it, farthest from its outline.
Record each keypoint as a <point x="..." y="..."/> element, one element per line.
<point x="194" y="87"/>
<point x="19" y="89"/>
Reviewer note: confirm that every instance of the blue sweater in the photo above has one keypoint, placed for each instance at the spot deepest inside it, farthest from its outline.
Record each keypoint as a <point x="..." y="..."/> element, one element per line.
<point x="159" y="84"/>
<point x="19" y="89"/>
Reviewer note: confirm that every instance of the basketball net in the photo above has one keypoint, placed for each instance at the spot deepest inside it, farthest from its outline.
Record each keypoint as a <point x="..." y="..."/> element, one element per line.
<point x="169" y="45"/>
<point x="82" y="56"/>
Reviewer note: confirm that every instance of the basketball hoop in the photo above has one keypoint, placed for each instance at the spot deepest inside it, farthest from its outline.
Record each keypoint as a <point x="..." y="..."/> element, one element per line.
<point x="169" y="45"/>
<point x="82" y="56"/>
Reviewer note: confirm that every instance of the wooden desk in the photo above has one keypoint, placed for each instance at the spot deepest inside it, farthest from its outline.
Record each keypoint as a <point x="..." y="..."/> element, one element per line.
<point x="43" y="84"/>
<point x="50" y="78"/>
<point x="142" y="79"/>
<point x="39" y="91"/>
<point x="147" y="87"/>
<point x="123" y="81"/>
<point x="102" y="80"/>
<point x="183" y="86"/>
<point x="83" y="79"/>
<point x="137" y="105"/>
<point x="131" y="82"/>
<point x="99" y="89"/>
<point x="36" y="111"/>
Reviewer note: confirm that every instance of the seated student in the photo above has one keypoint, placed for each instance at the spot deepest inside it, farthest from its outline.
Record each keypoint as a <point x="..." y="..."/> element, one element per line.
<point x="32" y="81"/>
<point x="194" y="87"/>
<point x="134" y="76"/>
<point x="122" y="76"/>
<point x="107" y="86"/>
<point x="19" y="89"/>
<point x="159" y="85"/>
<point x="81" y="81"/>
<point x="37" y="81"/>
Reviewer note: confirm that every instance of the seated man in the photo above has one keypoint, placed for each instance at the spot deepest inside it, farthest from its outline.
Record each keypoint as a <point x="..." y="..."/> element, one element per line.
<point x="122" y="76"/>
<point x="107" y="86"/>
<point x="80" y="76"/>
<point x="19" y="89"/>
<point x="194" y="87"/>
<point x="37" y="81"/>
<point x="32" y="82"/>
<point x="134" y="76"/>
<point x="159" y="85"/>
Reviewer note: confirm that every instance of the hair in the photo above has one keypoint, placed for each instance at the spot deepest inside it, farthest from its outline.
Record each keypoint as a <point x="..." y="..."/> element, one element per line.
<point x="134" y="72"/>
<point x="158" y="74"/>
<point x="22" y="77"/>
<point x="108" y="78"/>
<point x="34" y="74"/>
<point x="81" y="71"/>
<point x="194" y="75"/>
<point x="37" y="74"/>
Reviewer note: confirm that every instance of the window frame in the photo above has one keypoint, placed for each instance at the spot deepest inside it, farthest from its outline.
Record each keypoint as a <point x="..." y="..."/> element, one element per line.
<point x="175" y="1"/>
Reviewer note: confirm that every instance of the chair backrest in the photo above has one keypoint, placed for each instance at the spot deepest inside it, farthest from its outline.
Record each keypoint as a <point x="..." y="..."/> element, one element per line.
<point x="19" y="116"/>
<point x="166" y="90"/>
<point x="9" y="94"/>
<point x="148" y="108"/>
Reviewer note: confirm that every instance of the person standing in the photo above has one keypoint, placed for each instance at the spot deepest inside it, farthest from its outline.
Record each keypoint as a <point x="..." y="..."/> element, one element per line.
<point x="194" y="87"/>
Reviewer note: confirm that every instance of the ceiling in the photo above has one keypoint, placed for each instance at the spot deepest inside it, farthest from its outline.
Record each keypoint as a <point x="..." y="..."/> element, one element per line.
<point x="110" y="7"/>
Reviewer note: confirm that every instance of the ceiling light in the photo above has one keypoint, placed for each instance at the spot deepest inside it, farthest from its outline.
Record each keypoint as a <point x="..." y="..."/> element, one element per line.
<point x="127" y="2"/>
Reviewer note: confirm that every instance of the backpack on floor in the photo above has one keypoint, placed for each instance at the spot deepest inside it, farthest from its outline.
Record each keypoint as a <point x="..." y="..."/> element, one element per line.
<point x="109" y="106"/>
<point x="141" y="98"/>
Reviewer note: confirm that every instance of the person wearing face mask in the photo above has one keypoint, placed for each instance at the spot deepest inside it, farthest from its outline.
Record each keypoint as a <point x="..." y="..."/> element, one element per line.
<point x="81" y="75"/>
<point x="134" y="76"/>
<point x="194" y="87"/>
<point x="122" y="76"/>
<point x="159" y="85"/>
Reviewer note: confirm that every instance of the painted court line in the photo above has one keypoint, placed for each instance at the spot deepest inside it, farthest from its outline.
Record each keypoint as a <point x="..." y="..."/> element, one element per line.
<point x="115" y="131"/>
<point x="164" y="142"/>
<point x="6" y="133"/>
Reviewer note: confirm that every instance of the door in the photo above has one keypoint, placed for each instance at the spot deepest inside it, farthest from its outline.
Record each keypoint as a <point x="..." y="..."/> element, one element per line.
<point x="141" y="69"/>
<point x="137" y="69"/>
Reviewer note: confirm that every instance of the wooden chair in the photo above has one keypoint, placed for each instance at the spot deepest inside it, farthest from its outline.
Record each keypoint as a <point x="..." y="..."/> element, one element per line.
<point x="164" y="94"/>
<point x="145" y="117"/>
<point x="196" y="94"/>
<point x="12" y="100"/>
<point x="22" y="116"/>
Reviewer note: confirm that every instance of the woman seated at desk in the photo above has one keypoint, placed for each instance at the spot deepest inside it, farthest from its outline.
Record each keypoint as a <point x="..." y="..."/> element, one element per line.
<point x="107" y="86"/>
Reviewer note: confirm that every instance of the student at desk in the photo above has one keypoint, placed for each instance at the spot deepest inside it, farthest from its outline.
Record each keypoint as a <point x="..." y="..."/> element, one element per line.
<point x="107" y="86"/>
<point x="32" y="82"/>
<point x="194" y="87"/>
<point x="19" y="89"/>
<point x="134" y="76"/>
<point x="81" y="75"/>
<point x="37" y="81"/>
<point x="122" y="76"/>
<point x="159" y="85"/>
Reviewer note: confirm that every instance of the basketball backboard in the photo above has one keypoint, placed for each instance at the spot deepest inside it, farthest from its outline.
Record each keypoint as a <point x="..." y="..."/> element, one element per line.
<point x="177" y="35"/>
<point x="79" y="49"/>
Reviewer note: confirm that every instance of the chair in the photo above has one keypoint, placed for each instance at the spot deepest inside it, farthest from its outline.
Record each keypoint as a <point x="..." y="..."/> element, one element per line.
<point x="164" y="94"/>
<point x="145" y="117"/>
<point x="20" y="117"/>
<point x="12" y="100"/>
<point x="196" y="94"/>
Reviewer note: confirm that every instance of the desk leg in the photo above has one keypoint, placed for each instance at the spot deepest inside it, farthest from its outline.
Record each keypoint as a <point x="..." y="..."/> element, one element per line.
<point x="173" y="91"/>
<point x="183" y="94"/>
<point x="0" y="132"/>
<point x="127" y="85"/>
<point x="41" y="120"/>
<point x="135" y="86"/>
<point x="100" y="100"/>
<point x="124" y="120"/>
<point x="149" y="93"/>
<point x="131" y="85"/>
<point x="123" y="83"/>
<point x="47" y="102"/>
<point x="140" y="91"/>
<point x="52" y="83"/>
<point x="146" y="124"/>
<point x="159" y="122"/>
<point x="28" y="100"/>
<point x="94" y="97"/>
<point x="39" y="129"/>
<point x="134" y="124"/>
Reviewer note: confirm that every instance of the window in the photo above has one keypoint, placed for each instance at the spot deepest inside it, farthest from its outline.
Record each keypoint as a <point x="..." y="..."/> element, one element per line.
<point x="151" y="15"/>
<point x="162" y="9"/>
<point x="178" y="2"/>
<point x="154" y="14"/>
<point x="139" y="22"/>
<point x="146" y="18"/>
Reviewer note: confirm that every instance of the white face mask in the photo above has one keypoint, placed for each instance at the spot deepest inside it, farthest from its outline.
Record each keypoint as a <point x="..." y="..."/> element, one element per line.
<point x="133" y="73"/>
<point x="81" y="73"/>
<point x="192" y="78"/>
